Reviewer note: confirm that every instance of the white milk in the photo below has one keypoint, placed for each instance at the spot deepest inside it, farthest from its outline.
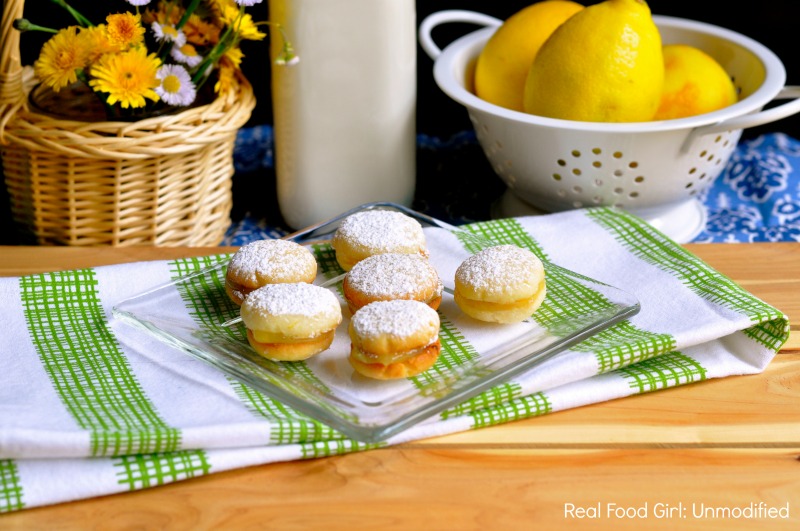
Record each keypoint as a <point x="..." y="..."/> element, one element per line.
<point x="345" y="131"/>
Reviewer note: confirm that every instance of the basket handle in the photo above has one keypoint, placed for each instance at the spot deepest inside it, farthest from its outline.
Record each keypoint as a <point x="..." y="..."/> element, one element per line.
<point x="11" y="84"/>
<point x="758" y="118"/>
<point x="447" y="16"/>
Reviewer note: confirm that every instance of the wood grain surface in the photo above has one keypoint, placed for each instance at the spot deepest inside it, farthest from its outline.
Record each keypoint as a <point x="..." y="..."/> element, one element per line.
<point x="653" y="461"/>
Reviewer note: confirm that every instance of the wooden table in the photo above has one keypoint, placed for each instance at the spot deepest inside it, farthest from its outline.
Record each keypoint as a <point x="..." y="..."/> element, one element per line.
<point x="726" y="443"/>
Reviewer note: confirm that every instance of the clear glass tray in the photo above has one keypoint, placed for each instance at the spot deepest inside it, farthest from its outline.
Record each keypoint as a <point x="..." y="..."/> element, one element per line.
<point x="475" y="356"/>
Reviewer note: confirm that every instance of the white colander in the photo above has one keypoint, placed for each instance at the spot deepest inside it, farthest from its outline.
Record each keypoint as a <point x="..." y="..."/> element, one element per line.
<point x="652" y="169"/>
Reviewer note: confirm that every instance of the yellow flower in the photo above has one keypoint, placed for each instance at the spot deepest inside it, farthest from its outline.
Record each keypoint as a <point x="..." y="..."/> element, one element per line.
<point x="125" y="30"/>
<point x="95" y="42"/>
<point x="201" y="33"/>
<point x="225" y="75"/>
<point x="217" y="7"/>
<point x="223" y="12"/>
<point x="166" y="13"/>
<point x="242" y="23"/>
<point x="59" y="59"/>
<point x="127" y="77"/>
<point x="234" y="56"/>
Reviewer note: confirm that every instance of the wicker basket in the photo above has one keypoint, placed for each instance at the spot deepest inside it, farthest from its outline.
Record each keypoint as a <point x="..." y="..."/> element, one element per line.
<point x="158" y="181"/>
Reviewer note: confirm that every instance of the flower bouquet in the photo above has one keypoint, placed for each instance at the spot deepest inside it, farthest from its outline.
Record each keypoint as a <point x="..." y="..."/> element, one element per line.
<point x="152" y="59"/>
<point x="153" y="162"/>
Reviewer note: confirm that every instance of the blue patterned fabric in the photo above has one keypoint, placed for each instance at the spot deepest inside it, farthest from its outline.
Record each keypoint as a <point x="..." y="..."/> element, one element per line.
<point x="757" y="196"/>
<point x="755" y="199"/>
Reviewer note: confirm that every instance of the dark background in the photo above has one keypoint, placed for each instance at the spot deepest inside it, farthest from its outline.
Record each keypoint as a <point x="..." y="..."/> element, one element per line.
<point x="772" y="23"/>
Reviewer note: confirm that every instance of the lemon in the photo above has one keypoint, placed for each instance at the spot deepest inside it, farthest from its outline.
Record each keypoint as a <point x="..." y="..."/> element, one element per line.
<point x="694" y="83"/>
<point x="504" y="62"/>
<point x="604" y="64"/>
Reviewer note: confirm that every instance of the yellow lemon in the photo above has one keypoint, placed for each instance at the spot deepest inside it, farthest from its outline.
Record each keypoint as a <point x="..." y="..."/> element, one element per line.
<point x="604" y="64"/>
<point x="694" y="83"/>
<point x="504" y="62"/>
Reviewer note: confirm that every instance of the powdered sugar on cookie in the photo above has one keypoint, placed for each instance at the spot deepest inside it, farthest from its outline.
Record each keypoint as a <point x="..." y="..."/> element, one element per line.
<point x="272" y="260"/>
<point x="394" y="275"/>
<point x="301" y="299"/>
<point x="500" y="270"/>
<point x="382" y="231"/>
<point x="397" y="318"/>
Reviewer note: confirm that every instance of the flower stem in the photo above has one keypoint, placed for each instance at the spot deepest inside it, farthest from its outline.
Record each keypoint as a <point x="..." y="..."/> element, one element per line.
<point x="83" y="21"/>
<point x="187" y="14"/>
<point x="287" y="55"/>
<point x="226" y="40"/>
<point x="23" y="24"/>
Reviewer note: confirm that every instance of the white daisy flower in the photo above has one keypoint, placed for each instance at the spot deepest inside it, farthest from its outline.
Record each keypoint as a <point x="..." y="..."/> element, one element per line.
<point x="176" y="86"/>
<point x="167" y="33"/>
<point x="247" y="3"/>
<point x="186" y="54"/>
<point x="138" y="2"/>
<point x="287" y="57"/>
<point x="287" y="60"/>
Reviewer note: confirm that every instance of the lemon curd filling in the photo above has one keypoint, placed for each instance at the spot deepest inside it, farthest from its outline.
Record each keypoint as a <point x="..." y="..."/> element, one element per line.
<point x="503" y="306"/>
<point x="385" y="359"/>
<point x="266" y="338"/>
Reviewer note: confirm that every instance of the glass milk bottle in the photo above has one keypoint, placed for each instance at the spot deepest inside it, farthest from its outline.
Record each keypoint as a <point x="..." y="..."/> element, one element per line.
<point x="345" y="131"/>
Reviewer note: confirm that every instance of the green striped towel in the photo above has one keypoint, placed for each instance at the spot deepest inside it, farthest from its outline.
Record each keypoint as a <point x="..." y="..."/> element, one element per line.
<point x="90" y="406"/>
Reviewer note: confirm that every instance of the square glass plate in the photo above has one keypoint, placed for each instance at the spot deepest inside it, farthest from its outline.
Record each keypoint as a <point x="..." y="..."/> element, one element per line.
<point x="475" y="356"/>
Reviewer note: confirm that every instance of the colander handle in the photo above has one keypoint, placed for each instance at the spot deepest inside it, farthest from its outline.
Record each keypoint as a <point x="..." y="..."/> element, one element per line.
<point x="759" y="118"/>
<point x="448" y="16"/>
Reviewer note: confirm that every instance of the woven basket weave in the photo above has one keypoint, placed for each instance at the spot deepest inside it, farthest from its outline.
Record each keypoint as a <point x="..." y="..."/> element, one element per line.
<point x="158" y="181"/>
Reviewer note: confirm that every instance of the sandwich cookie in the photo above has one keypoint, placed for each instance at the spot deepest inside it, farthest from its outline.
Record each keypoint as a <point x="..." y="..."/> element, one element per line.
<point x="394" y="339"/>
<point x="502" y="284"/>
<point x="372" y="232"/>
<point x="391" y="276"/>
<point x="268" y="262"/>
<point x="291" y="322"/>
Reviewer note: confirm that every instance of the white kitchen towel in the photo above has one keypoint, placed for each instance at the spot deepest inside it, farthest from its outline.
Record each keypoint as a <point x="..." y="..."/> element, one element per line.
<point x="90" y="405"/>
